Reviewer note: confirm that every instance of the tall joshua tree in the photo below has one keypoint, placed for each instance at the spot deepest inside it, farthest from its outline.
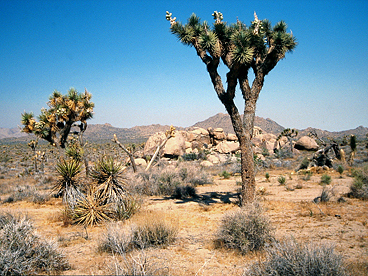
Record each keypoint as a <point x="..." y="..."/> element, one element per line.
<point x="258" y="47"/>
<point x="64" y="111"/>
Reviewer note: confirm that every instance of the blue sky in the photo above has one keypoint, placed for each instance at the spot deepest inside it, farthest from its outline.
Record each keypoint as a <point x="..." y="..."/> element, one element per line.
<point x="139" y="74"/>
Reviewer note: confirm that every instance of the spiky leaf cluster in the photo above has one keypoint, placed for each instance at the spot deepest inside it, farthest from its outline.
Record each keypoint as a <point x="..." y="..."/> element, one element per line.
<point x="237" y="43"/>
<point x="67" y="185"/>
<point x="64" y="110"/>
<point x="92" y="209"/>
<point x="108" y="175"/>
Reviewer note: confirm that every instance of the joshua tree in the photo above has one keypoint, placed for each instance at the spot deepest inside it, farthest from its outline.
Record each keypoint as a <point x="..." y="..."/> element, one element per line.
<point x="64" y="111"/>
<point x="258" y="47"/>
<point x="289" y="134"/>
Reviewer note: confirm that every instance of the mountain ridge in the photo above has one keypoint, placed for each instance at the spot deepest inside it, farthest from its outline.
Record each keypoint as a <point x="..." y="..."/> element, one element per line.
<point x="102" y="133"/>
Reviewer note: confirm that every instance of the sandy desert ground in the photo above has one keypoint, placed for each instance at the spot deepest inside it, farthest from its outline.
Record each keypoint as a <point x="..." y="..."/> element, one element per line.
<point x="290" y="208"/>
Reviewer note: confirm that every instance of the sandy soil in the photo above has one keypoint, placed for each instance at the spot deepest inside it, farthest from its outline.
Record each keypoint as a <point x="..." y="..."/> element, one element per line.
<point x="290" y="208"/>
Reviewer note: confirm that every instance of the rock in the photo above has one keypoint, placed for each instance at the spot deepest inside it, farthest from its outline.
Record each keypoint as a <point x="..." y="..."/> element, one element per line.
<point x="175" y="146"/>
<point x="213" y="159"/>
<point x="306" y="143"/>
<point x="227" y="147"/>
<point x="140" y="162"/>
<point x="257" y="131"/>
<point x="206" y="164"/>
<point x="188" y="145"/>
<point x="198" y="135"/>
<point x="152" y="143"/>
<point x="231" y="137"/>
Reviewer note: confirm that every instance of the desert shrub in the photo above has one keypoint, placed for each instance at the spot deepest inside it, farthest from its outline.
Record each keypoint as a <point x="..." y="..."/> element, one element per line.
<point x="190" y="156"/>
<point x="116" y="240"/>
<point x="154" y="232"/>
<point x="325" y="196"/>
<point x="307" y="175"/>
<point x="267" y="176"/>
<point x="27" y="193"/>
<point x="304" y="164"/>
<point x="139" y="264"/>
<point x="127" y="206"/>
<point x="164" y="182"/>
<point x="290" y="258"/>
<point x="184" y="191"/>
<point x="193" y="174"/>
<point x="281" y="179"/>
<point x="225" y="174"/>
<point x="246" y="229"/>
<point x="325" y="179"/>
<point x="340" y="170"/>
<point x="359" y="188"/>
<point x="24" y="253"/>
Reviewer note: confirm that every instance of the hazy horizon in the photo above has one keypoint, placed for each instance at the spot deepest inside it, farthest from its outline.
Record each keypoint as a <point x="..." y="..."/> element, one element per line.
<point x="139" y="74"/>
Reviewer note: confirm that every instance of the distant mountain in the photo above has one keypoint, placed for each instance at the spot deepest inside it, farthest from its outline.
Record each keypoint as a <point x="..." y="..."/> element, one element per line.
<point x="360" y="132"/>
<point x="223" y="121"/>
<point x="102" y="133"/>
<point x="11" y="132"/>
<point x="137" y="134"/>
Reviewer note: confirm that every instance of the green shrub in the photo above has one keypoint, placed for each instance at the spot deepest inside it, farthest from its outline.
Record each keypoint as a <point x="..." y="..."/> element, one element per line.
<point x="267" y="175"/>
<point x="246" y="229"/>
<point x="340" y="170"/>
<point x="359" y="188"/>
<point x="225" y="174"/>
<point x="184" y="191"/>
<point x="281" y="179"/>
<point x="304" y="164"/>
<point x="290" y="258"/>
<point x="325" y="179"/>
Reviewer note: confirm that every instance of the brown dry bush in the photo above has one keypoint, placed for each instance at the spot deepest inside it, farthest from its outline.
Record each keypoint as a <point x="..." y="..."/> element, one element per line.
<point x="246" y="229"/>
<point x="290" y="258"/>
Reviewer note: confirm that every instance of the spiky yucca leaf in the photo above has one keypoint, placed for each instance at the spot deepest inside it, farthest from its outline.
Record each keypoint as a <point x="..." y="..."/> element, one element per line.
<point x="108" y="175"/>
<point x="92" y="209"/>
<point x="67" y="185"/>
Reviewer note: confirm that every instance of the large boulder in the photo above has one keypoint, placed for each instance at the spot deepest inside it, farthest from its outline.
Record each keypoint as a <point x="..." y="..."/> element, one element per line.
<point x="153" y="142"/>
<point x="306" y="143"/>
<point x="175" y="146"/>
<point x="199" y="137"/>
<point x="227" y="147"/>
<point x="232" y="137"/>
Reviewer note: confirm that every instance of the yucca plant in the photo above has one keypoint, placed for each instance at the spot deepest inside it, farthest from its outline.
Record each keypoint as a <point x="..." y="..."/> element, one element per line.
<point x="108" y="174"/>
<point x="92" y="209"/>
<point x="67" y="185"/>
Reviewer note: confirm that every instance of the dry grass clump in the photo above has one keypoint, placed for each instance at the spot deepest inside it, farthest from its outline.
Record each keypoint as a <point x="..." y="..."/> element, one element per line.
<point x="246" y="229"/>
<point x="152" y="230"/>
<point x="24" y="253"/>
<point x="289" y="258"/>
<point x="139" y="264"/>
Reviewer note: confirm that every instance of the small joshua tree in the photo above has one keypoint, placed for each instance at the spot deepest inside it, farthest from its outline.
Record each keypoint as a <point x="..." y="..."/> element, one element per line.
<point x="258" y="48"/>
<point x="64" y="111"/>
<point x="289" y="134"/>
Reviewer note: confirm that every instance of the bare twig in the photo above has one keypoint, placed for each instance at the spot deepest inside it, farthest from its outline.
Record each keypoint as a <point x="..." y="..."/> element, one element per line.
<point x="115" y="139"/>
<point x="169" y="133"/>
